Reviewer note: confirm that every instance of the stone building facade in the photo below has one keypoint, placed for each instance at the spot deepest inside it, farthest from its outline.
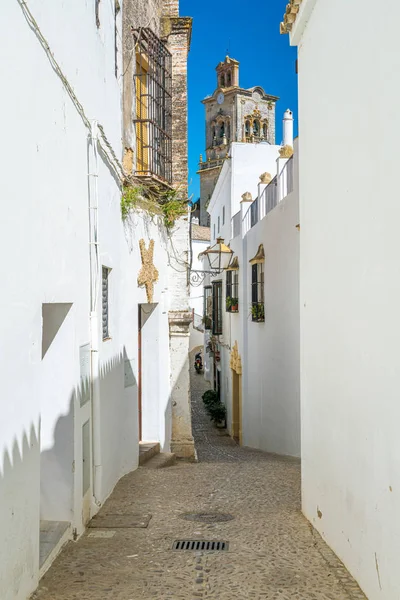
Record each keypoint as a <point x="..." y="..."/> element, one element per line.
<point x="232" y="114"/>
<point x="159" y="20"/>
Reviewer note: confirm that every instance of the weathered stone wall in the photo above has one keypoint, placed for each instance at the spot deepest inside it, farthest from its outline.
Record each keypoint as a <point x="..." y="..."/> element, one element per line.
<point x="177" y="32"/>
<point x="136" y="13"/>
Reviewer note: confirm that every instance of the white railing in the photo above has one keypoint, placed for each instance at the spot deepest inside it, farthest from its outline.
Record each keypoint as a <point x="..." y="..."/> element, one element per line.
<point x="247" y="221"/>
<point x="286" y="177"/>
<point x="268" y="199"/>
<point x="236" y="225"/>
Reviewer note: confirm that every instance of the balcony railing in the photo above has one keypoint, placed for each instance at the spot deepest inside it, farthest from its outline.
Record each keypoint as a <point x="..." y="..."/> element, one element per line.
<point x="280" y="187"/>
<point x="211" y="164"/>
<point x="286" y="179"/>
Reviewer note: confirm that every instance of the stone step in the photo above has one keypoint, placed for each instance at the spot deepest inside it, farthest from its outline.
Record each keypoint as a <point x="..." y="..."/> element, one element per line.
<point x="147" y="450"/>
<point x="160" y="461"/>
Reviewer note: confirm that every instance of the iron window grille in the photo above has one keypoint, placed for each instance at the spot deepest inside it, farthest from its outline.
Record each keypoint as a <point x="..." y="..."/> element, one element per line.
<point x="207" y="312"/>
<point x="257" y="293"/>
<point x="153" y="122"/>
<point x="217" y="308"/>
<point x="104" y="300"/>
<point x="232" y="291"/>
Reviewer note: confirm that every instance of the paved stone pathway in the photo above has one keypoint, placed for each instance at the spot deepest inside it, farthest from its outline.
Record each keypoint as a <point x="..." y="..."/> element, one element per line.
<point x="273" y="552"/>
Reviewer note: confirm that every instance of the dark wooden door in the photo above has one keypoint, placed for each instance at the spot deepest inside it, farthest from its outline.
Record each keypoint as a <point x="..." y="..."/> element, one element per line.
<point x="140" y="371"/>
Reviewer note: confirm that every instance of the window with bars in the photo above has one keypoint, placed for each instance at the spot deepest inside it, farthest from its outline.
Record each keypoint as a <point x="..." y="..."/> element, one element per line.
<point x="232" y="291"/>
<point x="104" y="299"/>
<point x="153" y="120"/>
<point x="257" y="293"/>
<point x="207" y="310"/>
<point x="217" y="308"/>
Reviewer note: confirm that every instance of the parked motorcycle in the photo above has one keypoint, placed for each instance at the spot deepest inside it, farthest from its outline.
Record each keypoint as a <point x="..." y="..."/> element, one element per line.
<point x="198" y="363"/>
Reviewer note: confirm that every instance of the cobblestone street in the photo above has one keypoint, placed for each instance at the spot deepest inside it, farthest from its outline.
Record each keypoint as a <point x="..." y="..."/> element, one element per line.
<point x="273" y="553"/>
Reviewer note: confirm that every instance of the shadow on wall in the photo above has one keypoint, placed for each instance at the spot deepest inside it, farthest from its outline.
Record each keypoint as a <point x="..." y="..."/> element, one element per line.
<point x="47" y="484"/>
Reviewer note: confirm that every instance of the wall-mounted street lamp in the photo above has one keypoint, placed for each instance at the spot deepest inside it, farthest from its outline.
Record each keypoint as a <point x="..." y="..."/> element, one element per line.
<point x="219" y="257"/>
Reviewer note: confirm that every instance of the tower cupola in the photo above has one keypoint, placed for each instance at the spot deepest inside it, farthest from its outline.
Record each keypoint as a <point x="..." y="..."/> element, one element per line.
<point x="228" y="73"/>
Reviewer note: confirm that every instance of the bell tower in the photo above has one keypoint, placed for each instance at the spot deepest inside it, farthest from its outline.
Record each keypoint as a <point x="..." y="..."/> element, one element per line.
<point x="228" y="73"/>
<point x="233" y="114"/>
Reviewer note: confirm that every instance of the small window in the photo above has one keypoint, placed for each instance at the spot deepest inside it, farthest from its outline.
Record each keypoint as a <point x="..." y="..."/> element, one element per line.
<point x="247" y="128"/>
<point x="265" y="130"/>
<point x="207" y="309"/>
<point x="219" y="225"/>
<point x="153" y="122"/>
<point x="214" y="231"/>
<point x="217" y="308"/>
<point x="256" y="128"/>
<point x="222" y="81"/>
<point x="106" y="273"/>
<point x="223" y="215"/>
<point x="229" y="79"/>
<point x="232" y="291"/>
<point x="257" y="293"/>
<point x="222" y="129"/>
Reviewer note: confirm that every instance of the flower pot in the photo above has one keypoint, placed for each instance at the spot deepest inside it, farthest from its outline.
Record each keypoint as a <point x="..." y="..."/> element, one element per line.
<point x="221" y="424"/>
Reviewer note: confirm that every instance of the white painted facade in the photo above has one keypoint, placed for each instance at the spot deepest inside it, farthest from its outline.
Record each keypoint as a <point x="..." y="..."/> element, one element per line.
<point x="350" y="283"/>
<point x="269" y="351"/>
<point x="52" y="429"/>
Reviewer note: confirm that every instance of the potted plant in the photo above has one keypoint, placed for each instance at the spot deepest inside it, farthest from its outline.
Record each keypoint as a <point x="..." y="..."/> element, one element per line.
<point x="210" y="397"/>
<point x="257" y="313"/>
<point x="234" y="304"/>
<point x="228" y="303"/>
<point x="218" y="414"/>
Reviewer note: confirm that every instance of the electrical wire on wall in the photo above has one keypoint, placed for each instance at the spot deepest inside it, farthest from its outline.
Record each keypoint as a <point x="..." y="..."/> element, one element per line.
<point x="105" y="145"/>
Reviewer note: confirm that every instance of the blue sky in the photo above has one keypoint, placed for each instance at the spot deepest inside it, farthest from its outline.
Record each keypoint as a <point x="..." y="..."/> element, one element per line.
<point x="251" y="32"/>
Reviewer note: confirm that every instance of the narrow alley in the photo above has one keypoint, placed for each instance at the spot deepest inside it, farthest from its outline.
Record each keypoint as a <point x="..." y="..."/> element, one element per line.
<point x="272" y="551"/>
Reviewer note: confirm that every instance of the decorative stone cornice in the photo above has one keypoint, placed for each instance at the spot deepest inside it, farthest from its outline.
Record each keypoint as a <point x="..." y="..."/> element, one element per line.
<point x="235" y="360"/>
<point x="148" y="274"/>
<point x="286" y="152"/>
<point x="266" y="178"/>
<point x="176" y="26"/>
<point x="179" y="322"/>
<point x="259" y="257"/>
<point x="290" y="16"/>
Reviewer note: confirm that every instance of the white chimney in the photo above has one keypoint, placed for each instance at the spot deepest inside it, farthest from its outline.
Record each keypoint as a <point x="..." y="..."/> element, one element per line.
<point x="288" y="128"/>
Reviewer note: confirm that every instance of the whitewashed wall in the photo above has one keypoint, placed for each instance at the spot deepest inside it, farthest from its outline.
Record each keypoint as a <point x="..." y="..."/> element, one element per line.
<point x="45" y="250"/>
<point x="350" y="284"/>
<point x="270" y="350"/>
<point x="270" y="357"/>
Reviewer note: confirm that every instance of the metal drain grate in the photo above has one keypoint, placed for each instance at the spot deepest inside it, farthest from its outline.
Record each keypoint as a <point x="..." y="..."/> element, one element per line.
<point x="200" y="545"/>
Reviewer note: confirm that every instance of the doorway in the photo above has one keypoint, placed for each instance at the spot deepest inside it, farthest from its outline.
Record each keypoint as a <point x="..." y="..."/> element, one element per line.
<point x="150" y="387"/>
<point x="236" y="407"/>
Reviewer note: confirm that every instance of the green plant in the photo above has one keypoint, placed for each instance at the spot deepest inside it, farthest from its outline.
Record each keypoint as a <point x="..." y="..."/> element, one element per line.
<point x="217" y="412"/>
<point x="257" y="312"/>
<point x="228" y="303"/>
<point x="130" y="198"/>
<point x="234" y="304"/>
<point x="172" y="206"/>
<point x="210" y="397"/>
<point x="156" y="201"/>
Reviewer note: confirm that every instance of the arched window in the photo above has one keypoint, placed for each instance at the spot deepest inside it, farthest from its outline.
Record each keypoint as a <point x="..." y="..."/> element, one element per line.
<point x="256" y="128"/>
<point x="229" y="79"/>
<point x="222" y="129"/>
<point x="247" y="129"/>
<point x="222" y="81"/>
<point x="228" y="130"/>
<point x="265" y="130"/>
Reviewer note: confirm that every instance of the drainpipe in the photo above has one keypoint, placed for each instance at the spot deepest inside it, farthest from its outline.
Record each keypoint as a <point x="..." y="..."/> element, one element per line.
<point x="94" y="318"/>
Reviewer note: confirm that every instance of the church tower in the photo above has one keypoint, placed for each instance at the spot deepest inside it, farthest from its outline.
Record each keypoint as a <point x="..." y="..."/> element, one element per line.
<point x="233" y="114"/>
